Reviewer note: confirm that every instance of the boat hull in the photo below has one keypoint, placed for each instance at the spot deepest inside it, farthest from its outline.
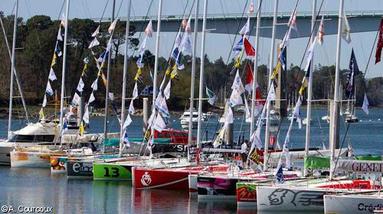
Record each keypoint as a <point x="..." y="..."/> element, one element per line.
<point x="344" y="204"/>
<point x="30" y="159"/>
<point x="112" y="171"/>
<point x="216" y="187"/>
<point x="293" y="199"/>
<point x="167" y="178"/>
<point x="303" y="197"/>
<point x="80" y="168"/>
<point x="5" y="149"/>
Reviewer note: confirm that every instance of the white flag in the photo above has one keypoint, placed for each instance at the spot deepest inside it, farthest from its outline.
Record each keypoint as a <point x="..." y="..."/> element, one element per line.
<point x="246" y="28"/>
<point x="321" y="31"/>
<point x="186" y="43"/>
<point x="76" y="99"/>
<point x="365" y="104"/>
<point x="94" y="43"/>
<point x="141" y="52"/>
<point x="49" y="90"/>
<point x="52" y="75"/>
<point x="346" y="31"/>
<point x="85" y="118"/>
<point x="255" y="139"/>
<point x="167" y="90"/>
<point x="161" y="105"/>
<point x="96" y="32"/>
<point x="237" y="90"/>
<point x="111" y="96"/>
<point x="131" y="109"/>
<point x="80" y="86"/>
<point x="235" y="98"/>
<point x="159" y="123"/>
<point x="151" y="120"/>
<point x="271" y="96"/>
<point x="149" y="29"/>
<point x="91" y="98"/>
<point x="62" y="22"/>
<point x="95" y="85"/>
<point x="293" y="21"/>
<point x="237" y="83"/>
<point x="309" y="54"/>
<point x="127" y="122"/>
<point x="296" y="112"/>
<point x="45" y="100"/>
<point x="59" y="35"/>
<point x="135" y="91"/>
<point x="247" y="112"/>
<point x="125" y="139"/>
<point x="112" y="26"/>
<point x="229" y="117"/>
<point x="219" y="139"/>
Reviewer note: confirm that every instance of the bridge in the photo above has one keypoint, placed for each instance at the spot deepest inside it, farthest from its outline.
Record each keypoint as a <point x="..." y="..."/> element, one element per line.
<point x="360" y="21"/>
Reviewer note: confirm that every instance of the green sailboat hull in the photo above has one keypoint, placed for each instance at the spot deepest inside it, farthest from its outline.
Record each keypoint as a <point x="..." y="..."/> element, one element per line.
<point x="112" y="172"/>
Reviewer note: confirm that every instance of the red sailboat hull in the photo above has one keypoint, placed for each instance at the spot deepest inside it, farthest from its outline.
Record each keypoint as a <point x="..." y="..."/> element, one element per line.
<point x="168" y="178"/>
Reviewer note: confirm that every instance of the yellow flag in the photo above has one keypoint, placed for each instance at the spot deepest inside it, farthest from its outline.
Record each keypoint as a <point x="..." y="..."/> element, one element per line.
<point x="84" y="69"/>
<point x="168" y="70"/>
<point x="54" y="58"/>
<point x="138" y="74"/>
<point x="303" y="86"/>
<point x="237" y="63"/>
<point x="174" y="73"/>
<point x="41" y="114"/>
<point x="81" y="129"/>
<point x="276" y="70"/>
<point x="103" y="78"/>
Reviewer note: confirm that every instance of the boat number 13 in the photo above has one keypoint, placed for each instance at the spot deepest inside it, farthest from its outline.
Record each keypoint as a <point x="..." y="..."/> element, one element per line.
<point x="114" y="172"/>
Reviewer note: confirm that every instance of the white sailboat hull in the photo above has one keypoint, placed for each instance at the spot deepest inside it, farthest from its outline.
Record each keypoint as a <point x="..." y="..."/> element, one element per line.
<point x="278" y="198"/>
<point x="344" y="204"/>
<point x="30" y="159"/>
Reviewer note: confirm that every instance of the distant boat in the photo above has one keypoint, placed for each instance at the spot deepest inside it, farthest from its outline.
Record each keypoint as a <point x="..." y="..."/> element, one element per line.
<point x="185" y="118"/>
<point x="351" y="118"/>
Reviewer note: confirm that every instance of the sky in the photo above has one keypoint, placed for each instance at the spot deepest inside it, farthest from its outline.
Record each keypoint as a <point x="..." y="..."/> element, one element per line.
<point x="218" y="45"/>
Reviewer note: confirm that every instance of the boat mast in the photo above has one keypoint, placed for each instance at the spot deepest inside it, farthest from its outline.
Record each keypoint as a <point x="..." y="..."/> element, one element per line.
<point x="12" y="69"/>
<point x="310" y="87"/>
<point x="334" y="138"/>
<point x="125" y="71"/>
<point x="201" y="74"/>
<point x="271" y="64"/>
<point x="156" y="52"/>
<point x="63" y="67"/>
<point x="255" y="70"/>
<point x="190" y="133"/>
<point x="107" y="87"/>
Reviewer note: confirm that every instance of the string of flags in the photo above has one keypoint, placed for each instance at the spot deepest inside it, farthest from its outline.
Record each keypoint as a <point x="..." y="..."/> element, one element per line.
<point x="52" y="76"/>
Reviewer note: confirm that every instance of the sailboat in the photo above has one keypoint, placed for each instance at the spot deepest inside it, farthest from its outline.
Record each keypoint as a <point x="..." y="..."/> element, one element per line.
<point x="34" y="133"/>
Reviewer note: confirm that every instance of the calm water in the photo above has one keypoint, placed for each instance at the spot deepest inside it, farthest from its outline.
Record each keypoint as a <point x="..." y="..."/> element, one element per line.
<point x="37" y="187"/>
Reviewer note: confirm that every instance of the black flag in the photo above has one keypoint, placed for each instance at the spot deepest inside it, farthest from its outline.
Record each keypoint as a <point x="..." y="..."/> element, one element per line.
<point x="354" y="70"/>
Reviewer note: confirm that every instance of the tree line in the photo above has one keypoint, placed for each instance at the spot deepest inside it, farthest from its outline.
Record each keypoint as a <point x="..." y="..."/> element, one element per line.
<point x="36" y="39"/>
